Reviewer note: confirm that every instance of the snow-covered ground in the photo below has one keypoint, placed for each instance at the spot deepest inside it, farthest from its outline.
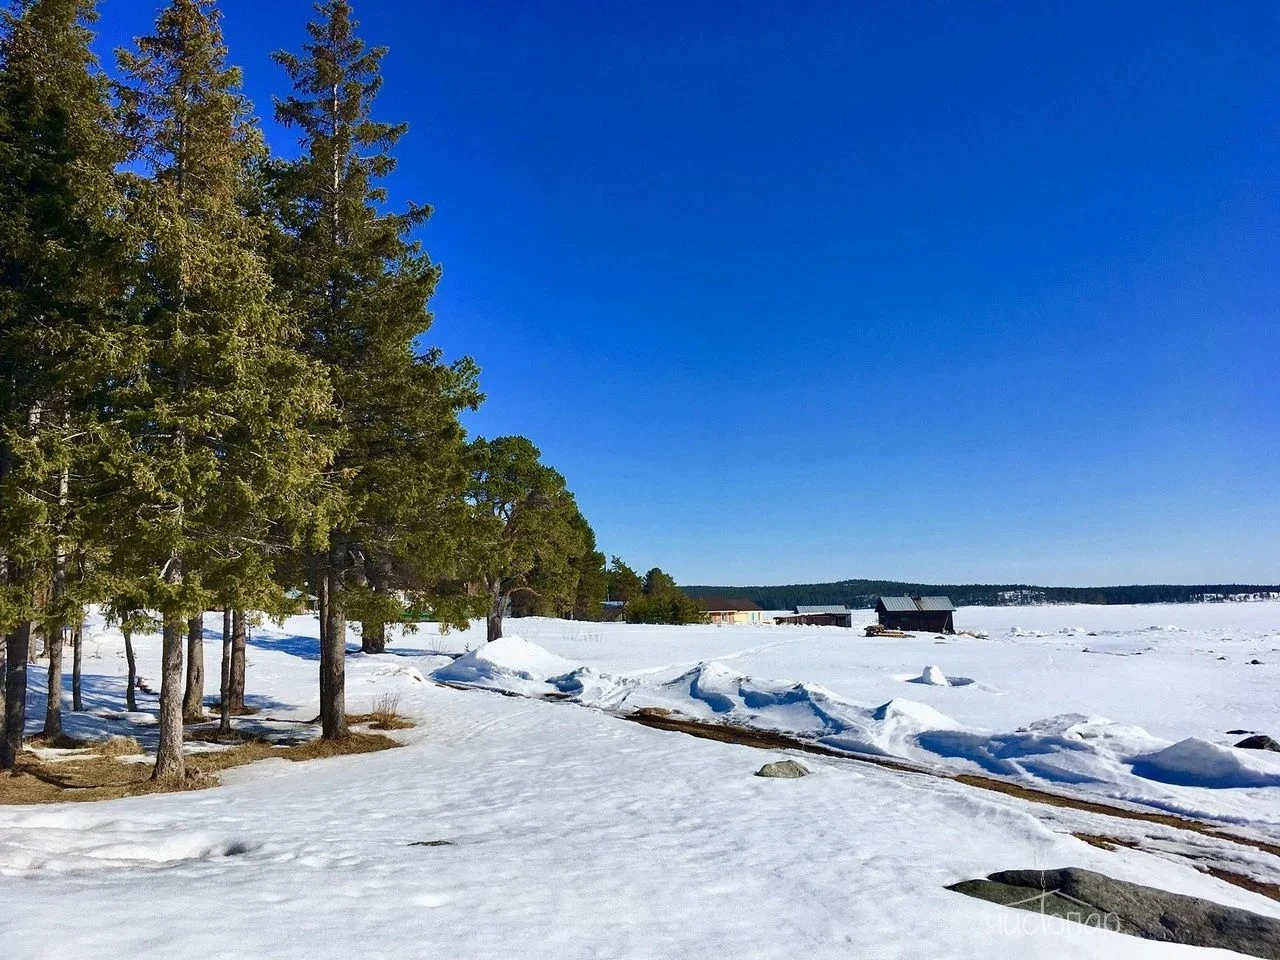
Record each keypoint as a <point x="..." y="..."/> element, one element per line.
<point x="574" y="833"/>
<point x="1133" y="703"/>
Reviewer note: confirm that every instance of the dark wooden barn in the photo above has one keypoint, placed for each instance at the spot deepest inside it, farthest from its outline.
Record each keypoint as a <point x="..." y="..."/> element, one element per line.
<point x="925" y="614"/>
<point x="818" y="616"/>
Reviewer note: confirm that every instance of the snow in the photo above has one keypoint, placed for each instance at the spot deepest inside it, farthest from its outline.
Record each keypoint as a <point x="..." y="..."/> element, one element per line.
<point x="934" y="677"/>
<point x="574" y="833"/>
<point x="1201" y="763"/>
<point x="509" y="663"/>
<point x="1068" y="698"/>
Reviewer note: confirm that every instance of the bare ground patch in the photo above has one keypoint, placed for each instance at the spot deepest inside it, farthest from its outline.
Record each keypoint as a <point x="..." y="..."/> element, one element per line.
<point x="114" y="768"/>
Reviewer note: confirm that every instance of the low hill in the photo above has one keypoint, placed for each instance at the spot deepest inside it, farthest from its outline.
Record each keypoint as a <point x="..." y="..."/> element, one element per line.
<point x="863" y="593"/>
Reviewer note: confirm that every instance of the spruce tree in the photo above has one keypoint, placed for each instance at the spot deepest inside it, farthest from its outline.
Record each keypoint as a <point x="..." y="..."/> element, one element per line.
<point x="63" y="265"/>
<point x="213" y="447"/>
<point x="362" y="284"/>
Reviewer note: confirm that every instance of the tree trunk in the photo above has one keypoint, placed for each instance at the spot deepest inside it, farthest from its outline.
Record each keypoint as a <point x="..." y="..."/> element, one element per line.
<point x="373" y="637"/>
<point x="130" y="697"/>
<point x="193" y="695"/>
<point x="333" y="651"/>
<point x="239" y="639"/>
<point x="224" y="700"/>
<point x="15" y="694"/>
<point x="55" y="631"/>
<point x="170" y="762"/>
<point x="494" y="620"/>
<point x="77" y="659"/>
<point x="53" y="701"/>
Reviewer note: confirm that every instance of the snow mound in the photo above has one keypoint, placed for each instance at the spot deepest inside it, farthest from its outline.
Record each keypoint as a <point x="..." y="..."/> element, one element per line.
<point x="1199" y="763"/>
<point x="590" y="686"/>
<point x="934" y="677"/>
<point x="509" y="663"/>
<point x="910" y="713"/>
<point x="1070" y="748"/>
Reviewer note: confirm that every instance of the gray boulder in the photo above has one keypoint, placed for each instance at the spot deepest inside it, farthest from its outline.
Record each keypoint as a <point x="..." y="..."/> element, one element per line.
<point x="1101" y="901"/>
<point x="1259" y="742"/>
<point x="783" y="768"/>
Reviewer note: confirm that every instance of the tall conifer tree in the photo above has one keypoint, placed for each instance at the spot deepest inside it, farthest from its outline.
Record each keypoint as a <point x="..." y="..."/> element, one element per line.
<point x="62" y="282"/>
<point x="214" y="448"/>
<point x="362" y="283"/>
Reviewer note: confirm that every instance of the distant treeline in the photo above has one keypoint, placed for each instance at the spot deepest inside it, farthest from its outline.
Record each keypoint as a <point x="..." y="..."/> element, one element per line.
<point x="863" y="593"/>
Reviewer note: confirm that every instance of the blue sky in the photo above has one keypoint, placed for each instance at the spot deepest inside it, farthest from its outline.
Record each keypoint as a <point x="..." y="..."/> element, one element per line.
<point x="806" y="291"/>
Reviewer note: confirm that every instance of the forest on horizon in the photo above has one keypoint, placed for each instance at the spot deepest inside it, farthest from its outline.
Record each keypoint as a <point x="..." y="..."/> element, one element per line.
<point x="863" y="593"/>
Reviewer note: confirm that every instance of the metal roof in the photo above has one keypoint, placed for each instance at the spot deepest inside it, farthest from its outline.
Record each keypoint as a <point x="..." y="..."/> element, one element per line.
<point x="820" y="608"/>
<point x="909" y="604"/>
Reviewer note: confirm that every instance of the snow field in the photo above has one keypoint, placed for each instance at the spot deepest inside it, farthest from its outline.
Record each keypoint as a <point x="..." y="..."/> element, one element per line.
<point x="576" y="834"/>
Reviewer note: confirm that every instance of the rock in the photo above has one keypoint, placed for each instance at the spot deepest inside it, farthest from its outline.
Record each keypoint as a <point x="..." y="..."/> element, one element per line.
<point x="786" y="769"/>
<point x="1259" y="742"/>
<point x="1147" y="912"/>
<point x="1239" y="733"/>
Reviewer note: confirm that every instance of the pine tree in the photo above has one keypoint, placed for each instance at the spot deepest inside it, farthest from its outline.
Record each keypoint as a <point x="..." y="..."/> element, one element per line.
<point x="362" y="285"/>
<point x="62" y="280"/>
<point x="526" y="528"/>
<point x="624" y="583"/>
<point x="213" y="447"/>
<point x="593" y="582"/>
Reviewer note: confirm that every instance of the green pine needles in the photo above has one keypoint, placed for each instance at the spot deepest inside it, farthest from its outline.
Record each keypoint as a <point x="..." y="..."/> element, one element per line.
<point x="216" y="391"/>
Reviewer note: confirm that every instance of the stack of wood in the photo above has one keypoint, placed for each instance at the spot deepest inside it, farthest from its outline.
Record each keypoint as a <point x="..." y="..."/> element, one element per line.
<point x="875" y="630"/>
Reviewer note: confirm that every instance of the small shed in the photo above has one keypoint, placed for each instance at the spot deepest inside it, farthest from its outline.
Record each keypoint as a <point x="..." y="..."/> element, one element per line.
<point x="818" y="616"/>
<point x="926" y="614"/>
<point x="732" y="610"/>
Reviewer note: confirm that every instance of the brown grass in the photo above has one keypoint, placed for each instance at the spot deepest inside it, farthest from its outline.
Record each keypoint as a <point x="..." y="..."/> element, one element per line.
<point x="98" y="774"/>
<point x="117" y="747"/>
<point x="60" y="742"/>
<point x="385" y="714"/>
<point x="1270" y="890"/>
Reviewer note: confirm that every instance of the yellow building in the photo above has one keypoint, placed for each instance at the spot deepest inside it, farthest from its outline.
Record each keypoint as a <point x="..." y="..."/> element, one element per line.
<point x="736" y="610"/>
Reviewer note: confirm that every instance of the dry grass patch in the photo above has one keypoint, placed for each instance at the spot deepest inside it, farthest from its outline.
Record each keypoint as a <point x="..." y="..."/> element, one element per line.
<point x="385" y="714"/>
<point x="99" y="774"/>
<point x="60" y="742"/>
<point x="117" y="747"/>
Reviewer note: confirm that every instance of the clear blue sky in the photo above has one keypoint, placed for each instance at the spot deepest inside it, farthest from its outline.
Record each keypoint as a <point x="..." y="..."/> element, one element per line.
<point x="806" y="291"/>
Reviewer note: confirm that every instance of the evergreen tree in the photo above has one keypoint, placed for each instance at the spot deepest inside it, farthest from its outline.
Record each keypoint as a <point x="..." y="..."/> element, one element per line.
<point x="62" y="260"/>
<point x="526" y="528"/>
<point x="592" y="581"/>
<point x="362" y="283"/>
<point x="657" y="583"/>
<point x="213" y="447"/>
<point x="624" y="583"/>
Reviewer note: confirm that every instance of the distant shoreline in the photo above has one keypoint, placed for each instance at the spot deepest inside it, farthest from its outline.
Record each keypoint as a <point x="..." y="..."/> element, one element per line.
<point x="861" y="594"/>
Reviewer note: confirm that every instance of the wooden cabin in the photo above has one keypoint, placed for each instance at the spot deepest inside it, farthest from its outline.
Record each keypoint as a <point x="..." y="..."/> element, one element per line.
<point x="921" y="614"/>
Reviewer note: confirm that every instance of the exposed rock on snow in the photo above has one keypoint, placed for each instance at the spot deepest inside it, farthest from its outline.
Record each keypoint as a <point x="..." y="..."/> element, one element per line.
<point x="1199" y="763"/>
<point x="1118" y="905"/>
<point x="1259" y="742"/>
<point x="783" y="769"/>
